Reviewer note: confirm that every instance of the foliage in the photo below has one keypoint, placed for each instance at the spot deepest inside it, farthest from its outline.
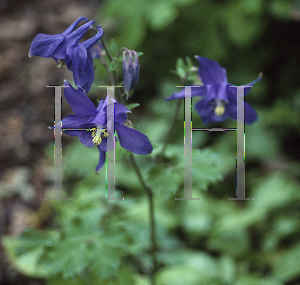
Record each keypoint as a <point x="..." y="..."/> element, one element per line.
<point x="207" y="241"/>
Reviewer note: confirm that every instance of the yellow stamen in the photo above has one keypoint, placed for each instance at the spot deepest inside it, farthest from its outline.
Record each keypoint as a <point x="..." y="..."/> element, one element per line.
<point x="220" y="108"/>
<point x="97" y="135"/>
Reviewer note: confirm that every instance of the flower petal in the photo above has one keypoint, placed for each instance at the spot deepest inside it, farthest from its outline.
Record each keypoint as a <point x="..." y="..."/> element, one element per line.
<point x="75" y="133"/>
<point x="250" y="114"/>
<point x="219" y="91"/>
<point x="120" y="112"/>
<point x="86" y="138"/>
<point x="133" y="140"/>
<point x="100" y="118"/>
<point x="233" y="90"/>
<point x="103" y="145"/>
<point x="210" y="71"/>
<point x="44" y="45"/>
<point x="74" y="121"/>
<point x="79" y="102"/>
<point x="196" y="91"/>
<point x="76" y="61"/>
<point x="71" y="39"/>
<point x="92" y="41"/>
<point x="74" y="25"/>
<point x="86" y="78"/>
<point x="102" y="158"/>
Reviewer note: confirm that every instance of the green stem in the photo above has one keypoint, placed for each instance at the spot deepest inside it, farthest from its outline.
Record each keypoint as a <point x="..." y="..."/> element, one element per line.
<point x="143" y="183"/>
<point x="151" y="210"/>
<point x="119" y="98"/>
<point x="176" y="113"/>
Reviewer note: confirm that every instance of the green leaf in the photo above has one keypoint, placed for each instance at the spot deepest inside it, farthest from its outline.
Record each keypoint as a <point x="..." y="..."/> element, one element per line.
<point x="76" y="156"/>
<point x="160" y="14"/>
<point x="185" y="71"/>
<point x="113" y="48"/>
<point x="235" y="243"/>
<point x="243" y="24"/>
<point x="228" y="269"/>
<point x="180" y="68"/>
<point x="206" y="167"/>
<point x="112" y="65"/>
<point x="287" y="267"/>
<point x="280" y="9"/>
<point x="25" y="263"/>
<point x="275" y="191"/>
<point x="250" y="279"/>
<point x="107" y="254"/>
<point x="124" y="276"/>
<point x="184" y="274"/>
<point x="165" y="180"/>
<point x="132" y="106"/>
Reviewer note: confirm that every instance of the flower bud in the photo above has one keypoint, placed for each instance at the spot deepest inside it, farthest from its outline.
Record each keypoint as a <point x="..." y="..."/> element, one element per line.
<point x="131" y="70"/>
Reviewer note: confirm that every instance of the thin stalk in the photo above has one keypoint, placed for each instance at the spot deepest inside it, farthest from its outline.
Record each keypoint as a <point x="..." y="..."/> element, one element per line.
<point x="151" y="211"/>
<point x="167" y="139"/>
<point x="119" y="98"/>
<point x="111" y="79"/>
<point x="147" y="189"/>
<point x="176" y="113"/>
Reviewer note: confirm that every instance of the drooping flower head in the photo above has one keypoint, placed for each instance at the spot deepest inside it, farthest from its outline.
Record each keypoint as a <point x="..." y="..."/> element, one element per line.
<point x="55" y="46"/>
<point x="131" y="71"/>
<point x="219" y="100"/>
<point x="97" y="50"/>
<point x="79" y="60"/>
<point x="90" y="125"/>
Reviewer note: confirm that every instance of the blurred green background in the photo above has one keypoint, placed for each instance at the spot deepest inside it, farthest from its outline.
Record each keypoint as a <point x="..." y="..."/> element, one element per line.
<point x="212" y="240"/>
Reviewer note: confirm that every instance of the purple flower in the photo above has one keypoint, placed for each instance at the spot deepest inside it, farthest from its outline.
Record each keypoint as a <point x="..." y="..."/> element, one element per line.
<point x="97" y="50"/>
<point x="79" y="60"/>
<point x="55" y="46"/>
<point x="220" y="101"/>
<point x="94" y="122"/>
<point x="131" y="71"/>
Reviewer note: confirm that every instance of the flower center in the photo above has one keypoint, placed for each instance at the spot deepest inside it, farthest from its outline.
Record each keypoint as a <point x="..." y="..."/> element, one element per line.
<point x="220" y="107"/>
<point x="98" y="134"/>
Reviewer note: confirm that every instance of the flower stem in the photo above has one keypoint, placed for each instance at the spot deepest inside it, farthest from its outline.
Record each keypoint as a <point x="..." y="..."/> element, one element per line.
<point x="178" y="105"/>
<point x="151" y="209"/>
<point x="119" y="97"/>
<point x="176" y="113"/>
<point x="143" y="183"/>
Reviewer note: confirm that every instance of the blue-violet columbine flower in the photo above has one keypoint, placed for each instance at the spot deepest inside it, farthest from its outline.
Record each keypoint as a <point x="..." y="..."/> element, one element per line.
<point x="131" y="71"/>
<point x="55" y="46"/>
<point x="220" y="101"/>
<point x="79" y="60"/>
<point x="90" y="125"/>
<point x="97" y="50"/>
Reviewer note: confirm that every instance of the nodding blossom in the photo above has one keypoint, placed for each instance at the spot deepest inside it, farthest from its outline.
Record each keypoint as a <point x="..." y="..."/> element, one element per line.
<point x="55" y="46"/>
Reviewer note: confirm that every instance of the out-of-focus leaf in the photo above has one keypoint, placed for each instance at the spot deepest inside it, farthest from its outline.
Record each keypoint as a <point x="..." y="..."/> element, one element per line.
<point x="25" y="263"/>
<point x="247" y="279"/>
<point x="184" y="274"/>
<point x="287" y="266"/>
<point x="275" y="191"/>
<point x="165" y="180"/>
<point x="161" y="14"/>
